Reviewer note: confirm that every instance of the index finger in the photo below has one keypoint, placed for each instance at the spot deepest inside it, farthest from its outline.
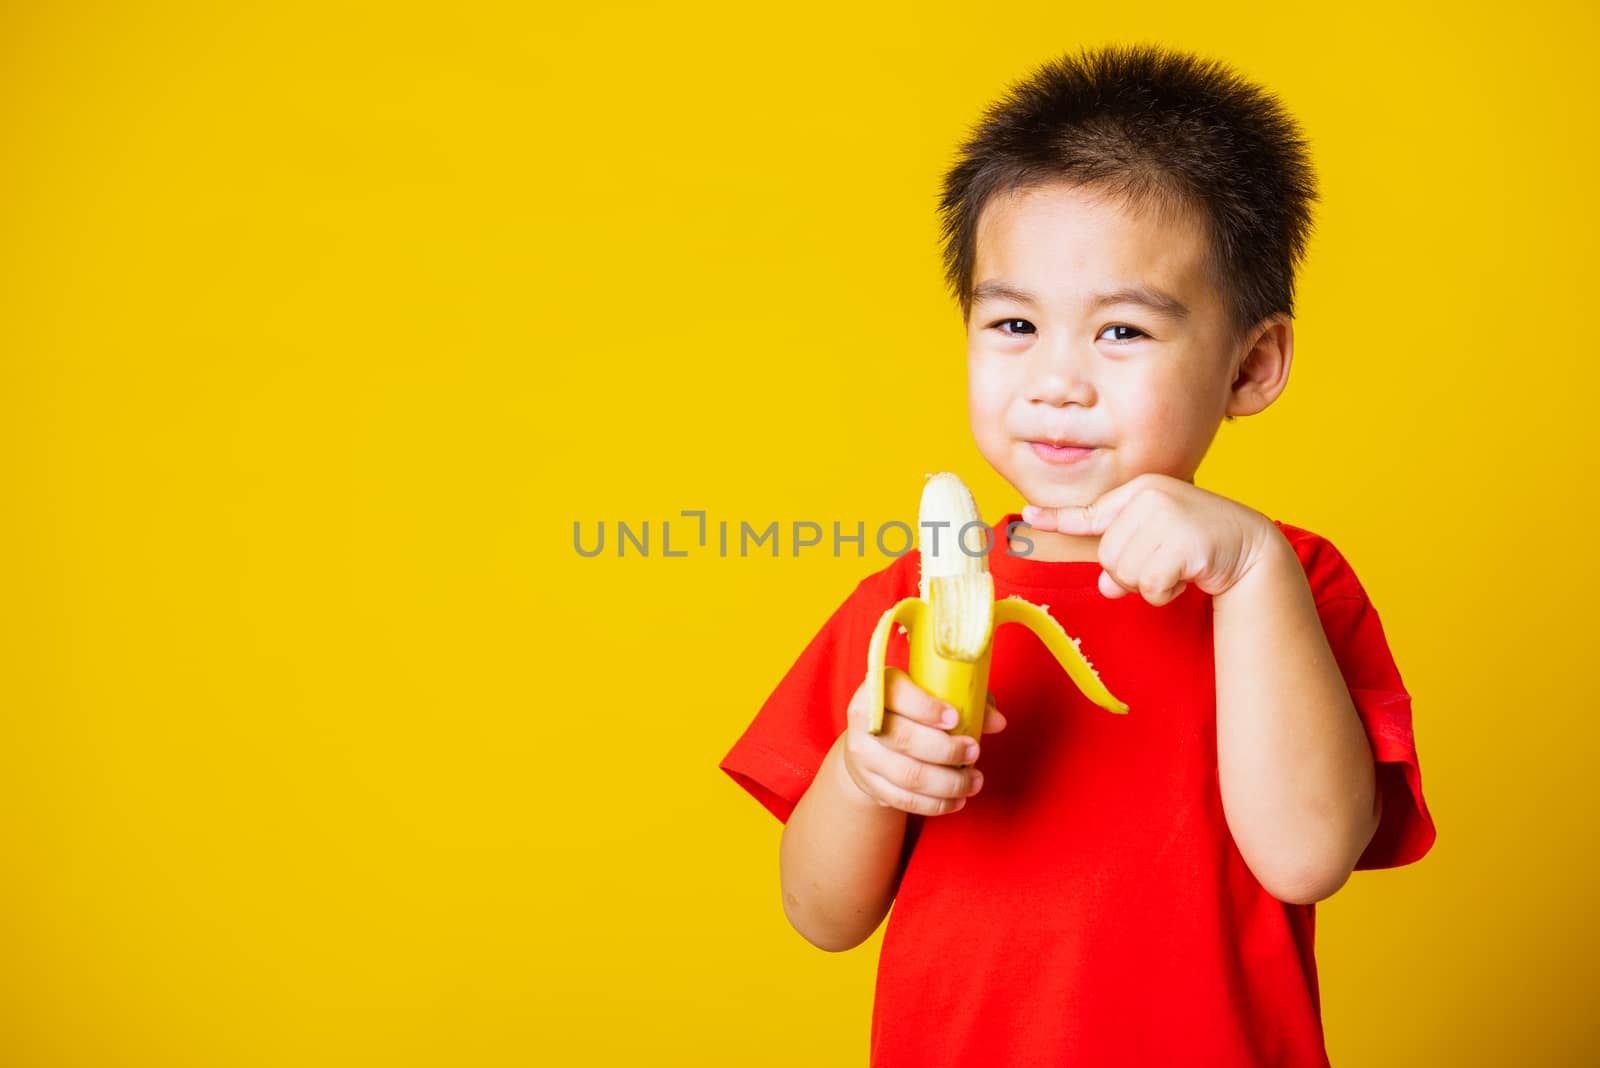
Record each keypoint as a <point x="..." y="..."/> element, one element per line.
<point x="904" y="697"/>
<point x="1083" y="519"/>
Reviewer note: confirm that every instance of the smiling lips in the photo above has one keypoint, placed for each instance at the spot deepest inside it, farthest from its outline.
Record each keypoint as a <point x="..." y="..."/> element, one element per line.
<point x="1064" y="453"/>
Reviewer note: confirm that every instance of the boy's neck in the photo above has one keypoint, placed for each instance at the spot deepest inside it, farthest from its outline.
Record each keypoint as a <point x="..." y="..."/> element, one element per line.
<point x="1052" y="547"/>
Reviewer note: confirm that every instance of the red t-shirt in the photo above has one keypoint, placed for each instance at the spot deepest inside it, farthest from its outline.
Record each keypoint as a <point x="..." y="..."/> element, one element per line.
<point x="1089" y="905"/>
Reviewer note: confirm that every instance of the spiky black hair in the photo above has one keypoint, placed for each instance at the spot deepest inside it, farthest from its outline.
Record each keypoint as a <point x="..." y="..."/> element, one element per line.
<point x="1162" y="130"/>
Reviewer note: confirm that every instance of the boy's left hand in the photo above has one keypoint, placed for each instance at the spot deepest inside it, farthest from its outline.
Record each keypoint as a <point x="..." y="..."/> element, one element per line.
<point x="1159" y="533"/>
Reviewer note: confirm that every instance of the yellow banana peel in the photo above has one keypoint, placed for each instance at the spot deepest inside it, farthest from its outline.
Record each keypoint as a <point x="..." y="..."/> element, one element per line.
<point x="950" y="626"/>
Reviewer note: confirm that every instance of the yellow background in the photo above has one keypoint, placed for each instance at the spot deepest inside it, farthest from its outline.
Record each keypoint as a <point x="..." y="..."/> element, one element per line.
<point x="321" y="325"/>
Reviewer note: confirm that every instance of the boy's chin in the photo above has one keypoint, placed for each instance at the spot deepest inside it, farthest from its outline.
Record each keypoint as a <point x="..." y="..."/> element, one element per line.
<point x="1058" y="497"/>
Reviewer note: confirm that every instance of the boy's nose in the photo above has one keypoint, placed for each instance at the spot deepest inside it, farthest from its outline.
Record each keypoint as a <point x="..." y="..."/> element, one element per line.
<point x="1060" y="376"/>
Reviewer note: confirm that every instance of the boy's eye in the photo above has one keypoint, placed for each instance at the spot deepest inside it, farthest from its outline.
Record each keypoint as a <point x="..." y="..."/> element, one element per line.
<point x="1129" y="332"/>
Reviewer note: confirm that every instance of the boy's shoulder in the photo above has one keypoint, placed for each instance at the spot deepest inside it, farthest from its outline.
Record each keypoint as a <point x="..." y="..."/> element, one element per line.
<point x="1327" y="570"/>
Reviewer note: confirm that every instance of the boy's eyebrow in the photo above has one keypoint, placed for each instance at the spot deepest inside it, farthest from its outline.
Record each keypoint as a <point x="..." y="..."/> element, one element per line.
<point x="1157" y="300"/>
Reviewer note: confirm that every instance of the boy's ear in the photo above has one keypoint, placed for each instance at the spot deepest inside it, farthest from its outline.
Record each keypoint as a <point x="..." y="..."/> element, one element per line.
<point x="1262" y="368"/>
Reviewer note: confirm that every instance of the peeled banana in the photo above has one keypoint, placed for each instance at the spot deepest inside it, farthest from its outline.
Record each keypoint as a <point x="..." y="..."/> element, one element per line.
<point x="950" y="625"/>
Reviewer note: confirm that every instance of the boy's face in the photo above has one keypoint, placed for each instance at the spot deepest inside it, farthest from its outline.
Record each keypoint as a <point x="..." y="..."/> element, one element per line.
<point x="1144" y="387"/>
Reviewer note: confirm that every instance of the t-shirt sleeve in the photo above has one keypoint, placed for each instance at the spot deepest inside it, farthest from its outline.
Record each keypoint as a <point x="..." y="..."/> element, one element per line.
<point x="779" y="753"/>
<point x="1355" y="635"/>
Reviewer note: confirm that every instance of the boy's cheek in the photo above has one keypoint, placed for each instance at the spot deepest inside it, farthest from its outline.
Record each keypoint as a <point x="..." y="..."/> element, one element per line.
<point x="981" y="408"/>
<point x="988" y="388"/>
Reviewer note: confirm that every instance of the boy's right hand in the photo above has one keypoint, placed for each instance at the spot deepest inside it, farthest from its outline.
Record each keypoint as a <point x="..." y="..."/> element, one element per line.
<point x="914" y="765"/>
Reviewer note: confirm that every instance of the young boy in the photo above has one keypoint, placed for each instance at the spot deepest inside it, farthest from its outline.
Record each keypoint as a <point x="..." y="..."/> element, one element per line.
<point x="1136" y="889"/>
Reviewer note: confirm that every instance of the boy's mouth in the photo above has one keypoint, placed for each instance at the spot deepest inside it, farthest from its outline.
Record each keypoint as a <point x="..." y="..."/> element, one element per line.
<point x="1065" y="452"/>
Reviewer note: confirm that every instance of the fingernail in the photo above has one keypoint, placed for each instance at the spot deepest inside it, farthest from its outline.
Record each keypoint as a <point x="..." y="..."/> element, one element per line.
<point x="977" y="782"/>
<point x="949" y="718"/>
<point x="972" y="752"/>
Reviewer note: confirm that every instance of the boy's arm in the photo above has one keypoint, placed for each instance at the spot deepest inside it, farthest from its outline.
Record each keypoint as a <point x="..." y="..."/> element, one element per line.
<point x="839" y="860"/>
<point x="1295" y="767"/>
